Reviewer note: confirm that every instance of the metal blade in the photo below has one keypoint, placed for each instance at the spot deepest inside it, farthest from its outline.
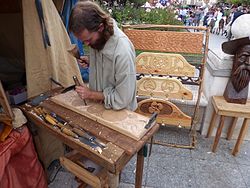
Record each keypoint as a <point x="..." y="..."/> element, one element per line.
<point x="91" y="144"/>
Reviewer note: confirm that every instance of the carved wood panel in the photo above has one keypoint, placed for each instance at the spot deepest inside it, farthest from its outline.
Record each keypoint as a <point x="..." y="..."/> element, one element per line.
<point x="163" y="87"/>
<point x="163" y="64"/>
<point x="124" y="121"/>
<point x="166" y="41"/>
<point x="168" y="113"/>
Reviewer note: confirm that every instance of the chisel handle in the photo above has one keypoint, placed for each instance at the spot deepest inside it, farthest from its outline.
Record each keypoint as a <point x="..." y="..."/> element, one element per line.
<point x="69" y="132"/>
<point x="76" y="81"/>
<point x="78" y="84"/>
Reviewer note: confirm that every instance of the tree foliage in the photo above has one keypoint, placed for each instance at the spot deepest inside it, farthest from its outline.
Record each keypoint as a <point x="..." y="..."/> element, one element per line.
<point x="237" y="2"/>
<point x="130" y="14"/>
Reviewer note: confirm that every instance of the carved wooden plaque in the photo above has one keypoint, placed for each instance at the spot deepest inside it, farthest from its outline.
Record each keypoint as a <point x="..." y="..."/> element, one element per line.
<point x="166" y="41"/>
<point x="163" y="87"/>
<point x="124" y="121"/>
<point x="163" y="64"/>
<point x="168" y="113"/>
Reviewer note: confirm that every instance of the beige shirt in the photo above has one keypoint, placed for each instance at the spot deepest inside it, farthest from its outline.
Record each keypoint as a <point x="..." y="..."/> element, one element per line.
<point x="112" y="71"/>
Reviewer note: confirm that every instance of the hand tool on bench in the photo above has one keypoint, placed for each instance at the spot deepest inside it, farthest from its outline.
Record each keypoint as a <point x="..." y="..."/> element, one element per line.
<point x="66" y="130"/>
<point x="59" y="84"/>
<point x="38" y="99"/>
<point x="56" y="82"/>
<point x="80" y="132"/>
<point x="151" y="120"/>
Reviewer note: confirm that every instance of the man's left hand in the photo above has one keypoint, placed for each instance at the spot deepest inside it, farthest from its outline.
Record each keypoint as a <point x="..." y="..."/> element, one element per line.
<point x="83" y="91"/>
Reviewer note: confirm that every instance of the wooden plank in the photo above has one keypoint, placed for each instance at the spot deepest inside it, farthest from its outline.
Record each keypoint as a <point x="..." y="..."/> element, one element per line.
<point x="231" y="128"/>
<point x="124" y="121"/>
<point x="108" y="158"/>
<point x="81" y="173"/>
<point x="104" y="133"/>
<point x="168" y="113"/>
<point x="212" y="124"/>
<point x="163" y="64"/>
<point x="160" y="87"/>
<point x="147" y="26"/>
<point x="241" y="136"/>
<point x="139" y="169"/>
<point x="218" y="133"/>
<point x="166" y="41"/>
<point x="224" y="108"/>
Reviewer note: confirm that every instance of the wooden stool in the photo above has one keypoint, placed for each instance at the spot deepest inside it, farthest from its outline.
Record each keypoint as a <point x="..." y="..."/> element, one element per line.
<point x="225" y="109"/>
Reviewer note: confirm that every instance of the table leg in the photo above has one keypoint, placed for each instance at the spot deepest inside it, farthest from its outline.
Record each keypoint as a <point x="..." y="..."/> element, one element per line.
<point x="231" y="128"/>
<point x="241" y="136"/>
<point x="212" y="123"/>
<point x="139" y="168"/>
<point x="218" y="133"/>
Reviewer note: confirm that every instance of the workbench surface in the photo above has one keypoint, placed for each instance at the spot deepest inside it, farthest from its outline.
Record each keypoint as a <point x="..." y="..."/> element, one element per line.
<point x="120" y="148"/>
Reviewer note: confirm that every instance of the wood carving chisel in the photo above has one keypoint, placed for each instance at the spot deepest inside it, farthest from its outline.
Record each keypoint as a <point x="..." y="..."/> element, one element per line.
<point x="54" y="122"/>
<point x="151" y="120"/>
<point x="91" y="144"/>
<point x="93" y="139"/>
<point x="78" y="84"/>
<point x="56" y="82"/>
<point x="58" y="118"/>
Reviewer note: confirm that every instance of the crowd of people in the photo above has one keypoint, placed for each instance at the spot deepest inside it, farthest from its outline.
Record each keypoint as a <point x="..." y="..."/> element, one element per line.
<point x="218" y="17"/>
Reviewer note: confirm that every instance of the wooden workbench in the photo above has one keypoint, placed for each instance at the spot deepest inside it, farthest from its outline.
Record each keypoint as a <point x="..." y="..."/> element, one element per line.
<point x="113" y="160"/>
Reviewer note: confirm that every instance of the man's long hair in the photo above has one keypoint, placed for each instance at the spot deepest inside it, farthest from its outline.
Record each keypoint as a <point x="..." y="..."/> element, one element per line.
<point x="88" y="15"/>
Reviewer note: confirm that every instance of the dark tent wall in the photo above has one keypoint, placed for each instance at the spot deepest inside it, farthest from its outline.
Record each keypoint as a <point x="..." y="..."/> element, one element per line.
<point x="22" y="51"/>
<point x="12" y="67"/>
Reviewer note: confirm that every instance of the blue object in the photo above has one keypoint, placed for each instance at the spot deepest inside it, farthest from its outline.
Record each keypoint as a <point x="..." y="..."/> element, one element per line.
<point x="68" y="5"/>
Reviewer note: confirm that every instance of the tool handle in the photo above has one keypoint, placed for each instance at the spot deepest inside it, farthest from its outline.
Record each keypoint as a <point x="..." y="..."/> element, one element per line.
<point x="82" y="133"/>
<point x="78" y="84"/>
<point x="69" y="132"/>
<point x="76" y="81"/>
<point x="50" y="119"/>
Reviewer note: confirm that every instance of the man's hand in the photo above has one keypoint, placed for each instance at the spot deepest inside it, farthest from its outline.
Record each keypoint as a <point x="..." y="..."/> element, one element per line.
<point x="83" y="91"/>
<point x="83" y="61"/>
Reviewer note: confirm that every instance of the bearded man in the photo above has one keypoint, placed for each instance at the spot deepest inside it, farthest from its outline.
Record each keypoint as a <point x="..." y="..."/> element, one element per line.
<point x="237" y="87"/>
<point x="112" y="76"/>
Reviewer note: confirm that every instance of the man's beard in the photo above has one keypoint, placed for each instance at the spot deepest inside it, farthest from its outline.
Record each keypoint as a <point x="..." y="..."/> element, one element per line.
<point x="99" y="43"/>
<point x="240" y="78"/>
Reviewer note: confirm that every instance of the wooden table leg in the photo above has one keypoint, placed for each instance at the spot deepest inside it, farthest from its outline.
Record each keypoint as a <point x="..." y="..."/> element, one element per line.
<point x="139" y="169"/>
<point x="218" y="133"/>
<point x="231" y="128"/>
<point x="212" y="123"/>
<point x="241" y="136"/>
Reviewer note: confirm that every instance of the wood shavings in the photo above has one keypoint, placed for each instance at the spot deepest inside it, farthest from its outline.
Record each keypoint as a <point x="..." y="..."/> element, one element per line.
<point x="28" y="105"/>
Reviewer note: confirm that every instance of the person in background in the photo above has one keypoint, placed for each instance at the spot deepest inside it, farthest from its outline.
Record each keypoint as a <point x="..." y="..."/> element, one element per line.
<point x="112" y="75"/>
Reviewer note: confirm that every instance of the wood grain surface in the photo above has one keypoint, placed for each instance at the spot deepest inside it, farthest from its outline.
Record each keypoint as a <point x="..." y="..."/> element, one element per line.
<point x="124" y="121"/>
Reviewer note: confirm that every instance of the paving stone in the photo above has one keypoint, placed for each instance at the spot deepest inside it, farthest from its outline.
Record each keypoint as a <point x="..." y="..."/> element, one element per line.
<point x="203" y="150"/>
<point x="243" y="157"/>
<point x="245" y="172"/>
<point x="165" y="171"/>
<point x="128" y="173"/>
<point x="64" y="179"/>
<point x="215" y="174"/>
<point x="182" y="168"/>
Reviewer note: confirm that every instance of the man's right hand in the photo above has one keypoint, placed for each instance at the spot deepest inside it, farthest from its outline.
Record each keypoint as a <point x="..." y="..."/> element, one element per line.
<point x="83" y="61"/>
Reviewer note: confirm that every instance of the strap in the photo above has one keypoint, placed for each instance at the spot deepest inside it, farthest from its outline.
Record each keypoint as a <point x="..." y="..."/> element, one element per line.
<point x="39" y="9"/>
